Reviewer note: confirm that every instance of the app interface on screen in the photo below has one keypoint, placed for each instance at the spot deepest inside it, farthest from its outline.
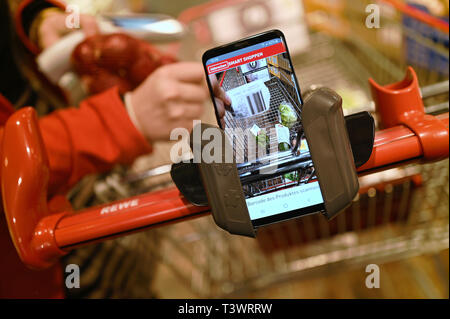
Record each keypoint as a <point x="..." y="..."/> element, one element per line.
<point x="263" y="123"/>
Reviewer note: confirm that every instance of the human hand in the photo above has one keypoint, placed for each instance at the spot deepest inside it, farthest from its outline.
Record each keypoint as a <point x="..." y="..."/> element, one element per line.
<point x="171" y="97"/>
<point x="53" y="27"/>
<point x="221" y="99"/>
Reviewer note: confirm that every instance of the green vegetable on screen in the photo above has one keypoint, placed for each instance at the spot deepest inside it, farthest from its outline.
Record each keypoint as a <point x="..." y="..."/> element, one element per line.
<point x="292" y="176"/>
<point x="288" y="115"/>
<point x="283" y="137"/>
<point x="262" y="139"/>
<point x="283" y="147"/>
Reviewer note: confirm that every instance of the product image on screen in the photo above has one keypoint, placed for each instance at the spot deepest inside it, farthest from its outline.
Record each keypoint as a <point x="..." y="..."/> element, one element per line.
<point x="263" y="123"/>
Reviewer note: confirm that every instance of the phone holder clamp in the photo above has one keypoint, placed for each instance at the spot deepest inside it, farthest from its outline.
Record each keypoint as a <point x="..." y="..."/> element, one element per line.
<point x="337" y="145"/>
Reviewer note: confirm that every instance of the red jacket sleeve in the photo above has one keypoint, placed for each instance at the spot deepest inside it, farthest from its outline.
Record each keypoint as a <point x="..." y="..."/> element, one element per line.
<point x="90" y="139"/>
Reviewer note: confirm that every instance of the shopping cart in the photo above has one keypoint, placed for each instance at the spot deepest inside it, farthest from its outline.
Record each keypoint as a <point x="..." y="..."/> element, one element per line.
<point x="401" y="211"/>
<point x="398" y="212"/>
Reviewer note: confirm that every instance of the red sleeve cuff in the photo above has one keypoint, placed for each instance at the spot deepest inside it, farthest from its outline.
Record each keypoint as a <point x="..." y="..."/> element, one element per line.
<point x="117" y="142"/>
<point x="90" y="139"/>
<point x="119" y="125"/>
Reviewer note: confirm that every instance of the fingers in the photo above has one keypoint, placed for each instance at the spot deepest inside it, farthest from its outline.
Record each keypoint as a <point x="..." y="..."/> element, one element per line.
<point x="48" y="39"/>
<point x="187" y="124"/>
<point x="192" y="93"/>
<point x="221" y="99"/>
<point x="213" y="80"/>
<point x="223" y="96"/>
<point x="185" y="111"/>
<point x="54" y="27"/>
<point x="220" y="107"/>
<point x="50" y="29"/>
<point x="186" y="72"/>
<point x="220" y="111"/>
<point x="218" y="91"/>
<point x="89" y="25"/>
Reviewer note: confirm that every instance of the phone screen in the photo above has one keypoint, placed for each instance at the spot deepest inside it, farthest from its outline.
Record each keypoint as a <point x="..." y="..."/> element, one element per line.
<point x="263" y="123"/>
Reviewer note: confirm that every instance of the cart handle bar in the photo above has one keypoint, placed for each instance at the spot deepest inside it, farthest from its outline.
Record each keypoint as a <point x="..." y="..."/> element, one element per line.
<point x="42" y="235"/>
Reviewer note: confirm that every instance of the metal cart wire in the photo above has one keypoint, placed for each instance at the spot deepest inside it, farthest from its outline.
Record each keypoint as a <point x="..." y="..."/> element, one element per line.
<point x="398" y="212"/>
<point x="253" y="182"/>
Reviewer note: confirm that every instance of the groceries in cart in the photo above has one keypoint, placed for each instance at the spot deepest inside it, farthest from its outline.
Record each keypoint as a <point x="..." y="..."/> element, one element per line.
<point x="263" y="124"/>
<point x="287" y="114"/>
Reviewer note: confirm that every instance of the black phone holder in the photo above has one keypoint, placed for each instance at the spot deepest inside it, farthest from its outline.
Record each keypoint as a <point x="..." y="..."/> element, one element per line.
<point x="337" y="144"/>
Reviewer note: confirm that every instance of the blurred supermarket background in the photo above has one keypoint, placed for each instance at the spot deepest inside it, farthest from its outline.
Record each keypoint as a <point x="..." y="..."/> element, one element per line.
<point x="399" y="220"/>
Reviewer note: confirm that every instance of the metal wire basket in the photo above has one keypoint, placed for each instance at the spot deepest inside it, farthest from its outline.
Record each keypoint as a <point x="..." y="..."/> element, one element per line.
<point x="253" y="182"/>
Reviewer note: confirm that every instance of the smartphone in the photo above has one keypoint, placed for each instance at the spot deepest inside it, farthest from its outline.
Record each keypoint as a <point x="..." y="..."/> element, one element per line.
<point x="257" y="76"/>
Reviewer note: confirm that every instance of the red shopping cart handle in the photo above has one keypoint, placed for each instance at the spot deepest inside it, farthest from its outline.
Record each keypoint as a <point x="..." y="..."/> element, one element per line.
<point x="40" y="237"/>
<point x="401" y="103"/>
<point x="24" y="180"/>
